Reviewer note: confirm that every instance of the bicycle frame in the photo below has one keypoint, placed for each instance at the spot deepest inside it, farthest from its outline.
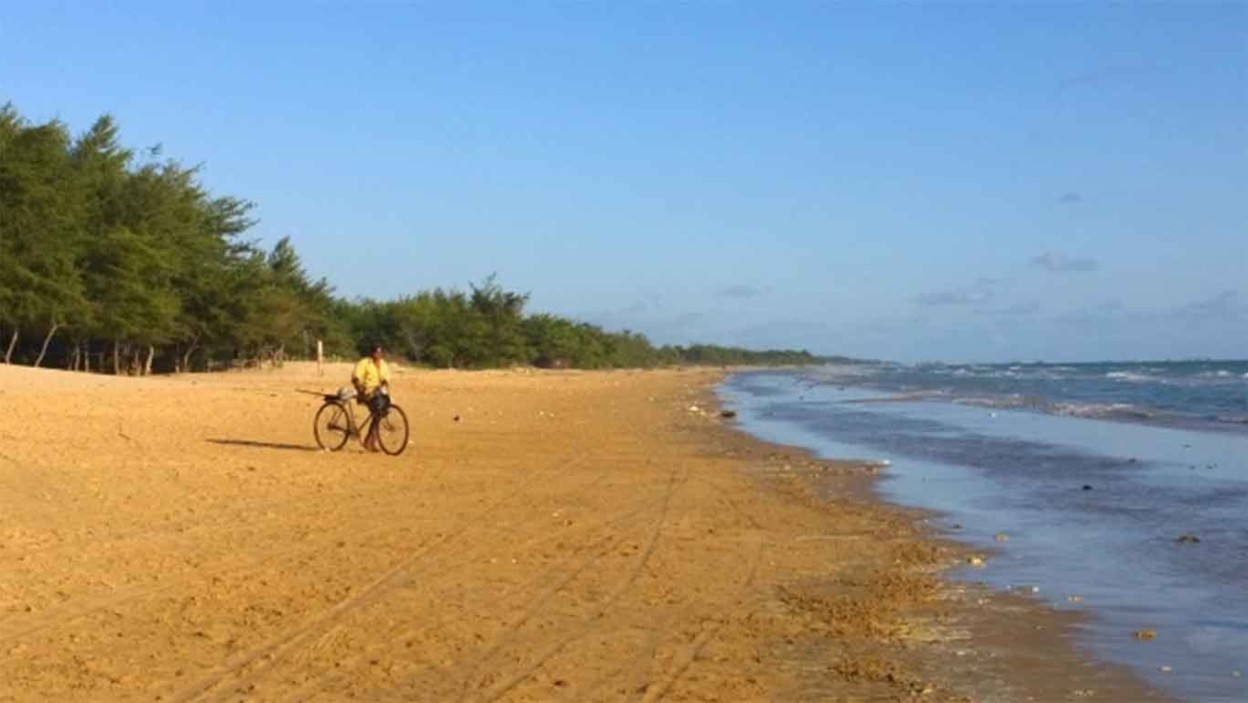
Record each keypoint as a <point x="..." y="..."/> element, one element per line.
<point x="332" y="435"/>
<point x="358" y="430"/>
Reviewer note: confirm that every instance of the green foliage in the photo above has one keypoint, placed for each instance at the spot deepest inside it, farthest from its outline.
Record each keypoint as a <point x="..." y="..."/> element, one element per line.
<point x="110" y="260"/>
<point x="129" y="256"/>
<point x="712" y="355"/>
<point x="38" y="210"/>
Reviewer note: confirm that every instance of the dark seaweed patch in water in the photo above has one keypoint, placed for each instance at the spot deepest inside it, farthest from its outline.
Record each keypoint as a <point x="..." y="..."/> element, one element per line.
<point x="1221" y="556"/>
<point x="934" y="440"/>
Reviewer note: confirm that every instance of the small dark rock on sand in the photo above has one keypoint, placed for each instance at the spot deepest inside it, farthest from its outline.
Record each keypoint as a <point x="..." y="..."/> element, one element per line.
<point x="1086" y="487"/>
<point x="728" y="413"/>
<point x="1187" y="539"/>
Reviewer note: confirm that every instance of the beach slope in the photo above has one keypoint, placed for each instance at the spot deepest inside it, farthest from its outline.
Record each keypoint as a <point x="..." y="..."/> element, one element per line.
<point x="547" y="536"/>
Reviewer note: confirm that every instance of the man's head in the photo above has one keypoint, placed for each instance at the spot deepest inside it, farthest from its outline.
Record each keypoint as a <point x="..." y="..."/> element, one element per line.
<point x="375" y="351"/>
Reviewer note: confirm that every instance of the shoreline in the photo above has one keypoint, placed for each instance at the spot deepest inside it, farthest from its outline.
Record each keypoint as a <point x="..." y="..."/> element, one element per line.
<point x="972" y="641"/>
<point x="550" y="536"/>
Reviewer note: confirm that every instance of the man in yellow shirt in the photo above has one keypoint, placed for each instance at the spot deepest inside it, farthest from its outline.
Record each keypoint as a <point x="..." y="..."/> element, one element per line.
<point x="372" y="386"/>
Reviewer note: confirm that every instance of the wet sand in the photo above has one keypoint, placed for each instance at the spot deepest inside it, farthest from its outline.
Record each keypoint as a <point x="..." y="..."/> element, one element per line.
<point x="548" y="536"/>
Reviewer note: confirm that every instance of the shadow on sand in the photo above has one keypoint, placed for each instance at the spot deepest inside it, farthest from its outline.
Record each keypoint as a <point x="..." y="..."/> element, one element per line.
<point x="263" y="445"/>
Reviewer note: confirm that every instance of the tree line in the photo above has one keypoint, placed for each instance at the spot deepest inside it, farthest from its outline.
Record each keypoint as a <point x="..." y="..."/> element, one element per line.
<point x="120" y="261"/>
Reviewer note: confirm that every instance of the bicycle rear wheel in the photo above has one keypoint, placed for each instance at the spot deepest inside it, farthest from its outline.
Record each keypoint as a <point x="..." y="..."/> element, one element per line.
<point x="332" y="427"/>
<point x="392" y="431"/>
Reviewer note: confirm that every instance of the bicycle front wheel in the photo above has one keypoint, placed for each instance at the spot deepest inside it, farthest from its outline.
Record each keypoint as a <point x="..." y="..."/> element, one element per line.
<point x="332" y="427"/>
<point x="392" y="431"/>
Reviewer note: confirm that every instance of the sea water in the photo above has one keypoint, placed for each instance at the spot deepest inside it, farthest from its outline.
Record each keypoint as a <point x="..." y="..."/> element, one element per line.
<point x="1120" y="490"/>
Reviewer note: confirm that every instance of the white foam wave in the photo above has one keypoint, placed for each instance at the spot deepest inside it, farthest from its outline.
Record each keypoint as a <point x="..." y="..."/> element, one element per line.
<point x="1130" y="376"/>
<point x="1101" y="410"/>
<point x="1004" y="402"/>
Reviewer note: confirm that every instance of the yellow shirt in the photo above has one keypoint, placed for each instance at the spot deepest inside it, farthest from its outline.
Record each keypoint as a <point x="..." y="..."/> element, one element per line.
<point x="370" y="375"/>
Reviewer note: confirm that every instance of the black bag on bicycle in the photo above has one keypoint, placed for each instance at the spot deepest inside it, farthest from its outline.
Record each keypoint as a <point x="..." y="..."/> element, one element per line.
<point x="379" y="403"/>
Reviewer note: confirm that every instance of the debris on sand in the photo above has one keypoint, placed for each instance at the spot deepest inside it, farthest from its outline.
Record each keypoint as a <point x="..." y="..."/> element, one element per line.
<point x="728" y="414"/>
<point x="1187" y="539"/>
<point x="1001" y="537"/>
<point x="1144" y="635"/>
<point x="976" y="561"/>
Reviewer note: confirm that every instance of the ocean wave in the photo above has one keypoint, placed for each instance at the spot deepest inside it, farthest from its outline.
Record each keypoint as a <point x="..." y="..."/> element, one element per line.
<point x="1105" y="410"/>
<point x="1130" y="376"/>
<point x="1127" y="412"/>
<point x="1004" y="402"/>
<point x="996" y="374"/>
<point x="1089" y="410"/>
<point x="908" y="397"/>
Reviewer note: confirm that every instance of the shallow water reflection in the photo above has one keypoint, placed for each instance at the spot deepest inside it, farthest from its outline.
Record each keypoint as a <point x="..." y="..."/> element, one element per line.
<point x="1092" y="511"/>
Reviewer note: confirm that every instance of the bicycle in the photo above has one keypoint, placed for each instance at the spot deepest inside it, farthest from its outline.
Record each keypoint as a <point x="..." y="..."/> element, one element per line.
<point x="335" y="424"/>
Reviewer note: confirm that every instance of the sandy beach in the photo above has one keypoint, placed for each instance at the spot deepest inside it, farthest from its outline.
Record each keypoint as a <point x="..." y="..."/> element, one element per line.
<point x="547" y="536"/>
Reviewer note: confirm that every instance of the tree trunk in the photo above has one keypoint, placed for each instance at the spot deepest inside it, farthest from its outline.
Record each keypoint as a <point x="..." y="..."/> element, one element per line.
<point x="72" y="363"/>
<point x="46" y="340"/>
<point x="147" y="364"/>
<point x="116" y="358"/>
<point x="186" y="356"/>
<point x="8" y="355"/>
<point x="86" y="357"/>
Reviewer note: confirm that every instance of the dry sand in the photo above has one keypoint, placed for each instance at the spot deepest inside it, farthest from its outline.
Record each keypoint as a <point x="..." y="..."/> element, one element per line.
<point x="547" y="536"/>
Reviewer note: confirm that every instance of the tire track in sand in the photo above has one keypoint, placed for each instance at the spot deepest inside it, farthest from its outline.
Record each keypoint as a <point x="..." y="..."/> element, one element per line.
<point x="501" y="688"/>
<point x="326" y="618"/>
<point x="16" y="627"/>
<point x="566" y="570"/>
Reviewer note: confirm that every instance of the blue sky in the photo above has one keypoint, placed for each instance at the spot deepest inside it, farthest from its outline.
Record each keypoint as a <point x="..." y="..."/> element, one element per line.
<point x="913" y="182"/>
